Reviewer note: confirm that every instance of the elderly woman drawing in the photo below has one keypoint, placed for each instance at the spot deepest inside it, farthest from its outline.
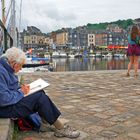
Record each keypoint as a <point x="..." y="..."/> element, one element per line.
<point x="13" y="104"/>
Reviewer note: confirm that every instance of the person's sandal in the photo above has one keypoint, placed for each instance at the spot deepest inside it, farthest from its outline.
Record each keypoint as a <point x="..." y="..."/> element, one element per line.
<point x="136" y="75"/>
<point x="127" y="74"/>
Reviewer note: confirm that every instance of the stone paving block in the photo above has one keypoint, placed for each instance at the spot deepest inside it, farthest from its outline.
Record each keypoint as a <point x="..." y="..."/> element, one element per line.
<point x="4" y="121"/>
<point x="67" y="106"/>
<point x="136" y="136"/>
<point x="108" y="134"/>
<point x="48" y="136"/>
<point x="102" y="115"/>
<point x="6" y="129"/>
<point x="119" y="129"/>
<point x="102" y="104"/>
<point x="4" y="132"/>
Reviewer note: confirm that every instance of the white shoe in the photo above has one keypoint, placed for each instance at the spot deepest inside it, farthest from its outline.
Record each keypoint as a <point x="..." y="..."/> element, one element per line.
<point x="67" y="131"/>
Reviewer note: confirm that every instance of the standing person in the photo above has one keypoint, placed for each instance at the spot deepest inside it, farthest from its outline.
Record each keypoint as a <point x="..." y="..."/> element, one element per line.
<point x="133" y="51"/>
<point x="13" y="104"/>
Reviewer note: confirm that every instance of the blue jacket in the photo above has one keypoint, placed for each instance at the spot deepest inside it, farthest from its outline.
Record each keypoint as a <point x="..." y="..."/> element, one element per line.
<point x="10" y="92"/>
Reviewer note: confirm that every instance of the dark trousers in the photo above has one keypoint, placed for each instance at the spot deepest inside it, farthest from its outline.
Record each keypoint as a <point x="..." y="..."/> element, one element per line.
<point x="37" y="102"/>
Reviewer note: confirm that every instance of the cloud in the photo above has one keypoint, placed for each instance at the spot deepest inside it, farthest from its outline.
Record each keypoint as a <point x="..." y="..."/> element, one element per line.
<point x="49" y="15"/>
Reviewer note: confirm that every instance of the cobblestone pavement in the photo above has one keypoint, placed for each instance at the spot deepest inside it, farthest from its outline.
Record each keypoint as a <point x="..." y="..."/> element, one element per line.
<point x="103" y="105"/>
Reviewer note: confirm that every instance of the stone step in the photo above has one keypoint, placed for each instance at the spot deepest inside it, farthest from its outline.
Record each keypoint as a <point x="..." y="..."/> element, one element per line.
<point x="6" y="129"/>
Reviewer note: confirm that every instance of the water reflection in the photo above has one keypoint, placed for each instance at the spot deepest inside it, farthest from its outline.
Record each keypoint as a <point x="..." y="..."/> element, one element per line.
<point x="89" y="64"/>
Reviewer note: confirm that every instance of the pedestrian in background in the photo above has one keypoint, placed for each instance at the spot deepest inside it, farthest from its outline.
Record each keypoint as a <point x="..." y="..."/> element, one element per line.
<point x="133" y="51"/>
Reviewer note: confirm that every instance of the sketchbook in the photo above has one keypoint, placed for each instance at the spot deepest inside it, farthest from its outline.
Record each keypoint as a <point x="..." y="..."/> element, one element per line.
<point x="37" y="85"/>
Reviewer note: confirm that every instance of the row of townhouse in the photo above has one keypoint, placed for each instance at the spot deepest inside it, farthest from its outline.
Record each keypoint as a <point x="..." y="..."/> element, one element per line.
<point x="79" y="37"/>
<point x="34" y="38"/>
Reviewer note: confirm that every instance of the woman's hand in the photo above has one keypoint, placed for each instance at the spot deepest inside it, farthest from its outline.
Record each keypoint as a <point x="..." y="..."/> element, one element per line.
<point x="25" y="89"/>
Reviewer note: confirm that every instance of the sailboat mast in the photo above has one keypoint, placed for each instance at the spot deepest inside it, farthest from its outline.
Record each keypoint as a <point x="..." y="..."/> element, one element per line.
<point x="13" y="24"/>
<point x="19" y="35"/>
<point x="3" y="12"/>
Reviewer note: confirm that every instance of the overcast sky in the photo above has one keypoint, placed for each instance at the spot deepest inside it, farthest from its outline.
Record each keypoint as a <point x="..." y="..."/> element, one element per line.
<point x="50" y="15"/>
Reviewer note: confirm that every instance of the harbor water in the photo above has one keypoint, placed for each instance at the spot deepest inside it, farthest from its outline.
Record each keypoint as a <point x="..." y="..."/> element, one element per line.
<point x="83" y="64"/>
<point x="89" y="64"/>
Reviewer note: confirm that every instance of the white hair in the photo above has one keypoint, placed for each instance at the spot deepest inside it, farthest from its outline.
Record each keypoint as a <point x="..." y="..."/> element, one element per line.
<point x="15" y="54"/>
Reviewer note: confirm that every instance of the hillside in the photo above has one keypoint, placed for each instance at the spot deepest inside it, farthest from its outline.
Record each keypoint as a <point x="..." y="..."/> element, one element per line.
<point x="101" y="26"/>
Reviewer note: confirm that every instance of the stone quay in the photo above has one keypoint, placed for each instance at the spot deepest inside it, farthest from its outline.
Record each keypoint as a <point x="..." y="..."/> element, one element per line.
<point x="102" y="105"/>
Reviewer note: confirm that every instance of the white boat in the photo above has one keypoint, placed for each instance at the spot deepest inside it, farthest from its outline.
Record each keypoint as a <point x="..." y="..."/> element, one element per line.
<point x="98" y="55"/>
<point x="91" y="55"/>
<point x="62" y="55"/>
<point x="109" y="55"/>
<point x="47" y="56"/>
<point x="35" y="69"/>
<point x="103" y="55"/>
<point x="59" y="55"/>
<point x="55" y="54"/>
<point x="71" y="55"/>
<point x="118" y="55"/>
<point x="29" y="61"/>
<point x="78" y="55"/>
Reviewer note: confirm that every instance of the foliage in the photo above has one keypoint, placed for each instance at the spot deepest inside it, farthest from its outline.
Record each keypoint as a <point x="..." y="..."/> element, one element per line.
<point x="102" y="26"/>
<point x="16" y="132"/>
<point x="21" y="80"/>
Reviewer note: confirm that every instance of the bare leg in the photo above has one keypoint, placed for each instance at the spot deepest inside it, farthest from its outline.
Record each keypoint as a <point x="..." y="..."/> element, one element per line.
<point x="58" y="124"/>
<point x="136" y="63"/>
<point x="131" y="59"/>
<point x="65" y="130"/>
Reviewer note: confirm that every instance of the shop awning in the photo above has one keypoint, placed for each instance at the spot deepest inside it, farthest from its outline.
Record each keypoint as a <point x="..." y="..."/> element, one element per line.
<point x="103" y="47"/>
<point x="116" y="47"/>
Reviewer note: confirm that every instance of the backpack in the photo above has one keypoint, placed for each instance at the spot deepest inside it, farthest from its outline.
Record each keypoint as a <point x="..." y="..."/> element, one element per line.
<point x="32" y="122"/>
